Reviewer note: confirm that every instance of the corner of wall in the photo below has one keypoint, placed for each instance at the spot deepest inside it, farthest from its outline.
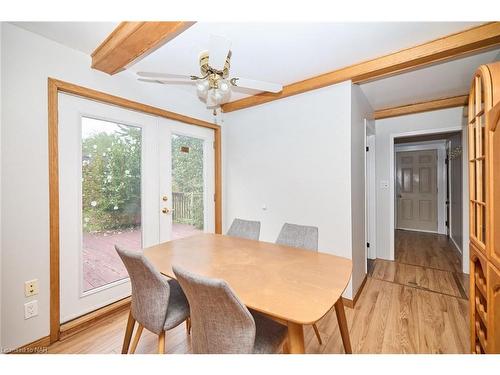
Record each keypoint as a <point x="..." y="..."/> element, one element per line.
<point x="360" y="110"/>
<point x="1" y="72"/>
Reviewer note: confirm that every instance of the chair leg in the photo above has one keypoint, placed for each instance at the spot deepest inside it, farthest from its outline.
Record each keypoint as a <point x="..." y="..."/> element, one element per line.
<point x="161" y="343"/>
<point x="128" y="333"/>
<point x="136" y="339"/>
<point x="286" y="348"/>
<point x="316" y="331"/>
<point x="188" y="325"/>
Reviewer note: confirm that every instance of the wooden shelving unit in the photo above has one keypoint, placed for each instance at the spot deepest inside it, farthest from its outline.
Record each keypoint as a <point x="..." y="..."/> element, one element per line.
<point x="484" y="209"/>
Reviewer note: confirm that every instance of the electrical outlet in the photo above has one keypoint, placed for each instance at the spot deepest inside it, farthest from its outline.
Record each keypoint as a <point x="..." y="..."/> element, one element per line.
<point x="30" y="309"/>
<point x="31" y="288"/>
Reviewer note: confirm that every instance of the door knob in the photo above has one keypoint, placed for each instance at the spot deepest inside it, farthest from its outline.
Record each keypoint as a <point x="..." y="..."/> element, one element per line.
<point x="164" y="198"/>
<point x="165" y="210"/>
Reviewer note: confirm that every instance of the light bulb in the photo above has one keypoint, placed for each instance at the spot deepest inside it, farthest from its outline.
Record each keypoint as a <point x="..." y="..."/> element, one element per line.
<point x="215" y="97"/>
<point x="223" y="86"/>
<point x="202" y="88"/>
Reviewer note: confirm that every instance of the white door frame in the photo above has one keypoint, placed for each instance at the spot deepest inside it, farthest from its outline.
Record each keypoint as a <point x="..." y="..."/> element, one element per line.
<point x="370" y="197"/>
<point x="440" y="147"/>
<point x="392" y="171"/>
<point x="448" y="176"/>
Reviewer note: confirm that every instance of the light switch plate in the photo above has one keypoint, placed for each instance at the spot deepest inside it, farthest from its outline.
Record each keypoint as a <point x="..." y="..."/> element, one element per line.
<point x="31" y="288"/>
<point x="30" y="309"/>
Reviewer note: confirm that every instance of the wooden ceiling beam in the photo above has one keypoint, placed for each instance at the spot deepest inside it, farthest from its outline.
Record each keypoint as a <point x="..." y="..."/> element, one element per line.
<point x="446" y="48"/>
<point x="432" y="105"/>
<point x="133" y="40"/>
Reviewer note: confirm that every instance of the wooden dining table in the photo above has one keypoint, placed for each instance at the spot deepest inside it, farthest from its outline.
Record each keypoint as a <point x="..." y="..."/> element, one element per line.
<point x="293" y="286"/>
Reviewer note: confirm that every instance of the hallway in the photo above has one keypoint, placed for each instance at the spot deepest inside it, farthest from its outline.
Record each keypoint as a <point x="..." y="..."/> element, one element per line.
<point x="426" y="261"/>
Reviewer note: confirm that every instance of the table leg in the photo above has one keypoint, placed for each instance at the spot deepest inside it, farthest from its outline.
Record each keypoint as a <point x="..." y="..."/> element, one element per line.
<point x="344" y="329"/>
<point x="295" y="338"/>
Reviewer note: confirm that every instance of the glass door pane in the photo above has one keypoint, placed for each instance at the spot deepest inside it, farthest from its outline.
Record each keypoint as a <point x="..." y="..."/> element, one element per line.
<point x="188" y="216"/>
<point x="111" y="199"/>
<point x="108" y="195"/>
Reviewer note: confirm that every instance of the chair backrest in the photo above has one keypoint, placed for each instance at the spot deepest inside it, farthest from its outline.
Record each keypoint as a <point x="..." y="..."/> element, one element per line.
<point x="245" y="229"/>
<point x="220" y="323"/>
<point x="302" y="236"/>
<point x="150" y="290"/>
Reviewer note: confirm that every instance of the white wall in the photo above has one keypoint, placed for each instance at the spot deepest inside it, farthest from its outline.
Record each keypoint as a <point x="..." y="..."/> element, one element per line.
<point x="1" y="27"/>
<point x="441" y="120"/>
<point x="360" y="110"/>
<point x="27" y="61"/>
<point x="293" y="156"/>
<point x="456" y="193"/>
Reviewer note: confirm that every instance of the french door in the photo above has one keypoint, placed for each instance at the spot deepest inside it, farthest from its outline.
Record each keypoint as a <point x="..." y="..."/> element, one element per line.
<point x="127" y="179"/>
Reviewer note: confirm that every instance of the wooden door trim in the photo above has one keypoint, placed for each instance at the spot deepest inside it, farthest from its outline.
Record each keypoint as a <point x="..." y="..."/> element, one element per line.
<point x="446" y="48"/>
<point x="74" y="326"/>
<point x="130" y="41"/>
<point x="56" y="86"/>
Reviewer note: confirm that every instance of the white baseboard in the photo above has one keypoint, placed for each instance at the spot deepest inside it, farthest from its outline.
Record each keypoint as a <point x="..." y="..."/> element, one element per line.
<point x="454" y="243"/>
<point x="419" y="230"/>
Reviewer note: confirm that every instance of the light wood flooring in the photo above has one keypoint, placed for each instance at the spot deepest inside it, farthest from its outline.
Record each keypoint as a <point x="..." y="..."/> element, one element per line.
<point x="417" y="304"/>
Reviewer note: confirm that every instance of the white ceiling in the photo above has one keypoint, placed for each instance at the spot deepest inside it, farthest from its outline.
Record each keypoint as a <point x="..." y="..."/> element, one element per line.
<point x="82" y="36"/>
<point x="290" y="52"/>
<point x="438" y="81"/>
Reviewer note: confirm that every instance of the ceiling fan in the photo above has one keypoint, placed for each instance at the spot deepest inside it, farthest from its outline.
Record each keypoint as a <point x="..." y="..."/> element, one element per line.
<point x="214" y="85"/>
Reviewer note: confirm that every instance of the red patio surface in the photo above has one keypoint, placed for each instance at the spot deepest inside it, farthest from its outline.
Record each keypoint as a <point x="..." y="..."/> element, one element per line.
<point x="101" y="263"/>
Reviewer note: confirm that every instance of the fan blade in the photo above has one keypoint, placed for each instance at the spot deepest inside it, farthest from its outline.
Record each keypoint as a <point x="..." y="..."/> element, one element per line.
<point x="218" y="51"/>
<point x="165" y="81"/>
<point x="154" y="76"/>
<point x="256" y="85"/>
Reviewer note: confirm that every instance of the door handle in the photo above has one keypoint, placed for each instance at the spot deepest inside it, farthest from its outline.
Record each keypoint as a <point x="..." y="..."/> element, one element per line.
<point x="165" y="210"/>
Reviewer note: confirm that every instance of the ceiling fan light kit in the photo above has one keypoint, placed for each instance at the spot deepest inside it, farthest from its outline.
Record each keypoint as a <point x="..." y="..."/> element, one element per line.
<point x="214" y="85"/>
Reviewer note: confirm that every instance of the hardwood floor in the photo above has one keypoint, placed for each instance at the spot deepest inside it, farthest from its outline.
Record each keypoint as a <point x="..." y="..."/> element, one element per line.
<point x="417" y="307"/>
<point x="425" y="278"/>
<point x="427" y="250"/>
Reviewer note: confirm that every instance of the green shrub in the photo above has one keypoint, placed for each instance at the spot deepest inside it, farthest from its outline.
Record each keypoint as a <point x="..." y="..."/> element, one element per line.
<point x="111" y="184"/>
<point x="111" y="179"/>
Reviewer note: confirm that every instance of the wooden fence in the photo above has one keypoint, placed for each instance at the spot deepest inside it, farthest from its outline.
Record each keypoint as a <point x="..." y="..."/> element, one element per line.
<point x="184" y="205"/>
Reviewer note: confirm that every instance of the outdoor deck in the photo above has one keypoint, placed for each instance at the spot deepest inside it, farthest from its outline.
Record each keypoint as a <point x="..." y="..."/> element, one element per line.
<point x="101" y="264"/>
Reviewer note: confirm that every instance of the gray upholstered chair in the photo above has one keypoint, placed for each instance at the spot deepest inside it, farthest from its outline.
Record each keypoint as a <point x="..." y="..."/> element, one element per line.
<point x="158" y="303"/>
<point x="301" y="236"/>
<point x="304" y="237"/>
<point x="221" y="323"/>
<point x="244" y="229"/>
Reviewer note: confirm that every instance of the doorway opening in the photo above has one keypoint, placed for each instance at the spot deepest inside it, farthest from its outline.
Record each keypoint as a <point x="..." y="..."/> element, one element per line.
<point x="428" y="200"/>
